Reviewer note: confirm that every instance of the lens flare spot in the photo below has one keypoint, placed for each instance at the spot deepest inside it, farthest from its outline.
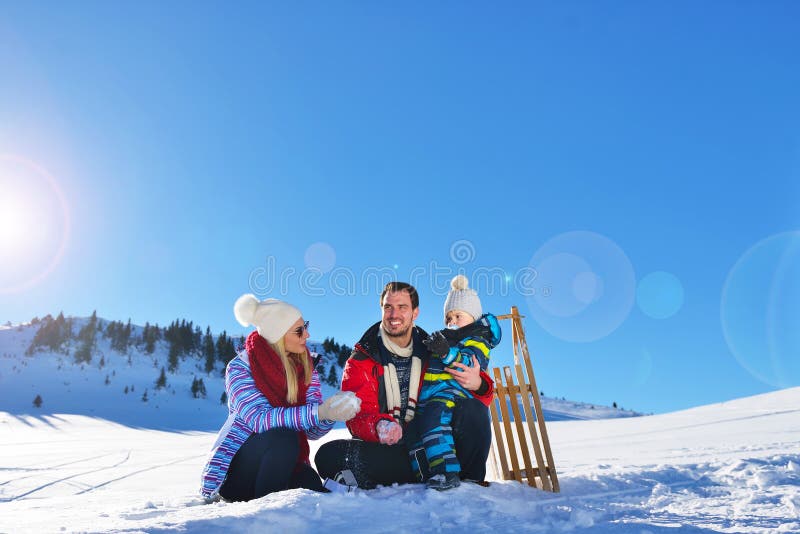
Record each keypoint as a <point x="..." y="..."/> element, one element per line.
<point x="660" y="295"/>
<point x="760" y="310"/>
<point x="587" y="286"/>
<point x="320" y="256"/>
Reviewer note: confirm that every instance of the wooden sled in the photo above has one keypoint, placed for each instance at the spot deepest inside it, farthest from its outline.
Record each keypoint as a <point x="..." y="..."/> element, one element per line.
<point x="510" y="437"/>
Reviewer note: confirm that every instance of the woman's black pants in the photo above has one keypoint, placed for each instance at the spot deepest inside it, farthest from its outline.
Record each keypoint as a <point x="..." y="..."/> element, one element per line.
<point x="265" y="463"/>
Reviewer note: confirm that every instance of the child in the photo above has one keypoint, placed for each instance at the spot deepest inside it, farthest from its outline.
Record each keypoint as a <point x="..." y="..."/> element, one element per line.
<point x="469" y="333"/>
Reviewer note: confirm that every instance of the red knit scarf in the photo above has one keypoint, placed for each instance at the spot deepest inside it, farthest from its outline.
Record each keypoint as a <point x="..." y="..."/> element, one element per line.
<point x="270" y="378"/>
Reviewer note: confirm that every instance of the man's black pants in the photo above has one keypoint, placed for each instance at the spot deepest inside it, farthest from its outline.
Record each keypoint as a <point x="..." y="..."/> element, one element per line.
<point x="374" y="464"/>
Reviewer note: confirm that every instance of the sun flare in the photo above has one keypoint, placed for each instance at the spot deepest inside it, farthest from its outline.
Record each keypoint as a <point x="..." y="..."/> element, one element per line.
<point x="34" y="224"/>
<point x="16" y="224"/>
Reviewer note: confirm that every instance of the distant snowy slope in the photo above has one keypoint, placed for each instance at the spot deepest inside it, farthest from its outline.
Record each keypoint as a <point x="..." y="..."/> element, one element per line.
<point x="113" y="384"/>
<point x="732" y="467"/>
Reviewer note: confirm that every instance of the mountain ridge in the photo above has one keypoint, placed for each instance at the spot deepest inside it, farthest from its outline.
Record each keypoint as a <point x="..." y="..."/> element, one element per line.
<point x="121" y="385"/>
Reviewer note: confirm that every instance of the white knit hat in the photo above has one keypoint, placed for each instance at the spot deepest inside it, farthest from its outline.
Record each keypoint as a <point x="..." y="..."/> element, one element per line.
<point x="462" y="298"/>
<point x="271" y="317"/>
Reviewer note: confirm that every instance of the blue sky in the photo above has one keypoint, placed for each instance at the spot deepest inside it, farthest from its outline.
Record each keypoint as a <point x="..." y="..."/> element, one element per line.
<point x="631" y="167"/>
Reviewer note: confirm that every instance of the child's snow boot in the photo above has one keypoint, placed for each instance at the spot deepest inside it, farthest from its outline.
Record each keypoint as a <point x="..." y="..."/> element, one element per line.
<point x="443" y="482"/>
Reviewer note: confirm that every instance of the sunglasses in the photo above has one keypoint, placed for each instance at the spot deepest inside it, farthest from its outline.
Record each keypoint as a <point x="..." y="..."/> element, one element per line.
<point x="301" y="329"/>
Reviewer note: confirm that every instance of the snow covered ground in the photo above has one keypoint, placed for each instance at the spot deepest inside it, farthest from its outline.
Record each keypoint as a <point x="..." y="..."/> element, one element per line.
<point x="127" y="465"/>
<point x="730" y="467"/>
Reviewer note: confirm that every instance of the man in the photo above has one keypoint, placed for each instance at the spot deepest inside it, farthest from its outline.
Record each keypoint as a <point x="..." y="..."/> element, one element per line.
<point x="385" y="371"/>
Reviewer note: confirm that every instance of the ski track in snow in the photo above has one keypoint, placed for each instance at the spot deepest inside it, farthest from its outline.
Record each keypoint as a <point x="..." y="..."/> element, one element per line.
<point x="84" y="473"/>
<point x="139" y="471"/>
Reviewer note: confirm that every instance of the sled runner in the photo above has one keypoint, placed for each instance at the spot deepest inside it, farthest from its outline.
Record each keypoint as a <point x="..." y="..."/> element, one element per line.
<point x="508" y="424"/>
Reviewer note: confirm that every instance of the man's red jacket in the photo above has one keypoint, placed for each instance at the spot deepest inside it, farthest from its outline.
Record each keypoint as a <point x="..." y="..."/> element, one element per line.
<point x="363" y="375"/>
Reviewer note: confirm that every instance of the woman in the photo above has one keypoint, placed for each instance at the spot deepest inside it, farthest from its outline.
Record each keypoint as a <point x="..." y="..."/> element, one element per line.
<point x="274" y="404"/>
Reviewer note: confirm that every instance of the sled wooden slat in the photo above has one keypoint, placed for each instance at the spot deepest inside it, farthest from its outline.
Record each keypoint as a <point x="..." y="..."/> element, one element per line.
<point x="512" y="452"/>
<point x="537" y="403"/>
<point x="529" y="418"/>
<point x="498" y="436"/>
<point x="523" y="443"/>
<point x="514" y="440"/>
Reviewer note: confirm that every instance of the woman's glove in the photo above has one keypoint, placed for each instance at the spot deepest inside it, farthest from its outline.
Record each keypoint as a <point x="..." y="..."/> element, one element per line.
<point x="342" y="406"/>
<point x="389" y="432"/>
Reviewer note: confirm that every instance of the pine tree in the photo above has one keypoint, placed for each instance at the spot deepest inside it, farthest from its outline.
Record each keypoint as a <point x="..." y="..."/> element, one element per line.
<point x="61" y="321"/>
<point x="119" y="339"/>
<point x="198" y="388"/>
<point x="221" y="347"/>
<point x="38" y="401"/>
<point x="197" y="338"/>
<point x="225" y="349"/>
<point x="201" y="388"/>
<point x="120" y="335"/>
<point x="108" y="380"/>
<point x="83" y="354"/>
<point x="223" y="399"/>
<point x="332" y="379"/>
<point x="127" y="337"/>
<point x="109" y="331"/>
<point x="161" y="382"/>
<point x="150" y="336"/>
<point x="126" y="390"/>
<point x="209" y="351"/>
<point x="146" y="333"/>
<point x="87" y="339"/>
<point x="51" y="334"/>
<point x="344" y="354"/>
<point x="144" y="397"/>
<point x="172" y="358"/>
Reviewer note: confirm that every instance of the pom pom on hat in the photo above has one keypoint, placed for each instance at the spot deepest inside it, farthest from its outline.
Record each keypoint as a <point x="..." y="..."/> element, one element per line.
<point x="459" y="282"/>
<point x="245" y="309"/>
<point x="461" y="297"/>
<point x="271" y="317"/>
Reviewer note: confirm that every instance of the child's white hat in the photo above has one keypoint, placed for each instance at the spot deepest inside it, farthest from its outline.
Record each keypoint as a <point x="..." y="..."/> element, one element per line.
<point x="462" y="298"/>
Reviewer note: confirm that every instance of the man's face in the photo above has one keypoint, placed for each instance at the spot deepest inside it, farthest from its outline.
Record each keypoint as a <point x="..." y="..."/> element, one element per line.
<point x="398" y="315"/>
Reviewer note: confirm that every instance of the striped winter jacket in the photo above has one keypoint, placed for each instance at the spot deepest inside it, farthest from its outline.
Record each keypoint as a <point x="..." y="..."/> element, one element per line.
<point x="250" y="413"/>
<point x="475" y="339"/>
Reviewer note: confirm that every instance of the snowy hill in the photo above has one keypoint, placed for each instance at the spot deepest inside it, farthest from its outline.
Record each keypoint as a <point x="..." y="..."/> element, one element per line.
<point x="730" y="467"/>
<point x="112" y="385"/>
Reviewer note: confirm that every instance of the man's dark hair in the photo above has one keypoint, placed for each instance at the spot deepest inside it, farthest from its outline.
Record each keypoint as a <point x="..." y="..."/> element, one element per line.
<point x="393" y="287"/>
